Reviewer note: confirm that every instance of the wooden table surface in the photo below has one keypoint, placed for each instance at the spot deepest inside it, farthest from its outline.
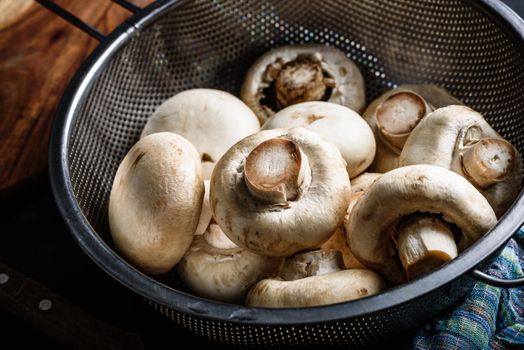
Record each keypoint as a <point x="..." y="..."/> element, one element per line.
<point x="39" y="54"/>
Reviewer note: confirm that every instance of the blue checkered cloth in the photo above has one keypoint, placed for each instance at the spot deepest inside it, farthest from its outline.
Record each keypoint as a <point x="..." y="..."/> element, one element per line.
<point x="488" y="317"/>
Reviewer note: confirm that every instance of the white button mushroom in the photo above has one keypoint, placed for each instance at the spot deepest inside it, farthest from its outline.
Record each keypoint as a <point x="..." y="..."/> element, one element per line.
<point x="216" y="268"/>
<point x="392" y="116"/>
<point x="338" y="240"/>
<point x="301" y="73"/>
<point x="212" y="120"/>
<point x="314" y="263"/>
<point x="435" y="96"/>
<point x="312" y="279"/>
<point x="155" y="202"/>
<point x="378" y="230"/>
<point x="338" y="124"/>
<point x="362" y="182"/>
<point x="279" y="191"/>
<point x="205" y="214"/>
<point x="459" y="139"/>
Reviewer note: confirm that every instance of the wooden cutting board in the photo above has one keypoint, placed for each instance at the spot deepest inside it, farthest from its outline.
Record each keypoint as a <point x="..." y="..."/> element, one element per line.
<point x="39" y="54"/>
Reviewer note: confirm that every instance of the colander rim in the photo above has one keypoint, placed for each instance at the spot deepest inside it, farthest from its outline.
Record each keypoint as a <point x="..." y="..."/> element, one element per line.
<point x="95" y="247"/>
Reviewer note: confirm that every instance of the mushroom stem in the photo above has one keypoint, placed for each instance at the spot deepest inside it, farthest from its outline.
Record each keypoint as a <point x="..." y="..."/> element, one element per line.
<point x="424" y="243"/>
<point x="397" y="116"/>
<point x="216" y="238"/>
<point x="277" y="171"/>
<point x="300" y="80"/>
<point x="488" y="161"/>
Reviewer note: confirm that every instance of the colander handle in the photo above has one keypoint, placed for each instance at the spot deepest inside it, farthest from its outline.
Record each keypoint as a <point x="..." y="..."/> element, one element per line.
<point x="77" y="22"/>
<point x="57" y="317"/>
<point x="497" y="282"/>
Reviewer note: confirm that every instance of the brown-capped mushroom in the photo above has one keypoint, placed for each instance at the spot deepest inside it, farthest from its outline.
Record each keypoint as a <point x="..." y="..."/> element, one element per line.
<point x="312" y="279"/>
<point x="392" y="116"/>
<point x="280" y="191"/>
<point x="390" y="230"/>
<point x="216" y="268"/>
<point x="155" y="202"/>
<point x="212" y="120"/>
<point x="338" y="124"/>
<point x="458" y="138"/>
<point x="299" y="73"/>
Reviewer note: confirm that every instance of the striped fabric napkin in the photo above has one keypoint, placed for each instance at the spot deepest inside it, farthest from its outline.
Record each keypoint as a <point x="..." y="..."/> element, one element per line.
<point x="488" y="317"/>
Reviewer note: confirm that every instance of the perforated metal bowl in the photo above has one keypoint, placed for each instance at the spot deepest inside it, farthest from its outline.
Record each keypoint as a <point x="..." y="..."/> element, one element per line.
<point x="474" y="48"/>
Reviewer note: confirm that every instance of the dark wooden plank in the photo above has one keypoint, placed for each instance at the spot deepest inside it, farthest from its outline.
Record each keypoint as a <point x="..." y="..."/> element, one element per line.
<point x="39" y="53"/>
<point x="57" y="317"/>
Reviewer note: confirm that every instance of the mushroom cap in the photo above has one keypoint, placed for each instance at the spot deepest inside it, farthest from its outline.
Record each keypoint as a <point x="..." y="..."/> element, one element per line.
<point x="205" y="214"/>
<point x="349" y="90"/>
<point x="434" y="141"/>
<point x="406" y="190"/>
<point x="314" y="263"/>
<point x="364" y="181"/>
<point x="216" y="268"/>
<point x="286" y="228"/>
<point x="331" y="288"/>
<point x="338" y="240"/>
<point x="338" y="124"/>
<point x="155" y="202"/>
<point x="339" y="243"/>
<point x="212" y="120"/>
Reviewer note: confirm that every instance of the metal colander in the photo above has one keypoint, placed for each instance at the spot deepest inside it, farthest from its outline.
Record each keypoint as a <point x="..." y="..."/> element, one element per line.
<point x="473" y="48"/>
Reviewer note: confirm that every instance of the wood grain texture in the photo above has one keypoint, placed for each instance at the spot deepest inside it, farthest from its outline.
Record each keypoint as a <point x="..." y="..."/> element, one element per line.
<point x="11" y="11"/>
<point x="39" y="54"/>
